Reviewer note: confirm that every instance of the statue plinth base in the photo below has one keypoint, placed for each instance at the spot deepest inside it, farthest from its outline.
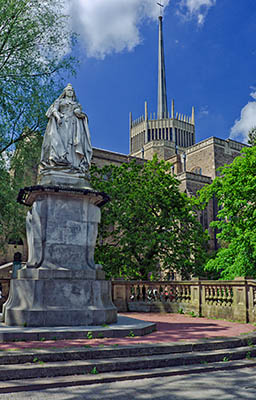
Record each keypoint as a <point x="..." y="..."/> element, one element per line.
<point x="58" y="177"/>
<point x="61" y="285"/>
<point x="38" y="300"/>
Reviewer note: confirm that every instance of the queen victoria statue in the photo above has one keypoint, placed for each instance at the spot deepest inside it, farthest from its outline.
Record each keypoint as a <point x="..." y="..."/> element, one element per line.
<point x="61" y="285"/>
<point x="67" y="144"/>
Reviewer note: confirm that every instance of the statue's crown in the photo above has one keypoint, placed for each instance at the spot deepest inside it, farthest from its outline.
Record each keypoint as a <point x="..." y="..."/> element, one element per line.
<point x="69" y="86"/>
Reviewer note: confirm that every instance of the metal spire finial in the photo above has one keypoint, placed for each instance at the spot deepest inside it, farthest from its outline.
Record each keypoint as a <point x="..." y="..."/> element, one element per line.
<point x="161" y="6"/>
<point x="162" y="110"/>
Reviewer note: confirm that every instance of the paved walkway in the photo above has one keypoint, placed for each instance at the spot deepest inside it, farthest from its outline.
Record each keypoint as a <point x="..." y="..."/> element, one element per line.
<point x="170" y="328"/>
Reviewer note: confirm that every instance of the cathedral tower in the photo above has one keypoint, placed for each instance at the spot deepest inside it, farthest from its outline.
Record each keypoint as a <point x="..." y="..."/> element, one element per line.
<point x="164" y="134"/>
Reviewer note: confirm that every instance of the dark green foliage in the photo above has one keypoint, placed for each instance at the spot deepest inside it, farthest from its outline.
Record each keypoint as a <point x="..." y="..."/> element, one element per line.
<point x="148" y="224"/>
<point x="34" y="47"/>
<point x="235" y="191"/>
<point x="34" y="56"/>
<point x="19" y="171"/>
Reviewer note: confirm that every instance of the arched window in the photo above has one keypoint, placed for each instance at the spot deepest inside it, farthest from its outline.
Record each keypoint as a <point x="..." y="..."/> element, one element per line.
<point x="15" y="240"/>
<point x="197" y="170"/>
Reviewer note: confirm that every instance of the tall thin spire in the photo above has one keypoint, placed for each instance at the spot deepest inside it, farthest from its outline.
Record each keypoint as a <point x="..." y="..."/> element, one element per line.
<point x="162" y="111"/>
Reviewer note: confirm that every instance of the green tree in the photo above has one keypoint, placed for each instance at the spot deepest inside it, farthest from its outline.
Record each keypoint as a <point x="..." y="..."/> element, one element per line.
<point x="235" y="191"/>
<point x="19" y="170"/>
<point x="34" y="55"/>
<point x="148" y="224"/>
<point x="252" y="136"/>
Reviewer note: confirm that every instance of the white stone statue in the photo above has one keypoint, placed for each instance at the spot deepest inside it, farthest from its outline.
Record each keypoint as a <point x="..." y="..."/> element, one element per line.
<point x="67" y="144"/>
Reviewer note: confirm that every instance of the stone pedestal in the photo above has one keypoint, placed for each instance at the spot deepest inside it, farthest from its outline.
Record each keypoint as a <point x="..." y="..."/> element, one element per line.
<point x="41" y="299"/>
<point x="61" y="285"/>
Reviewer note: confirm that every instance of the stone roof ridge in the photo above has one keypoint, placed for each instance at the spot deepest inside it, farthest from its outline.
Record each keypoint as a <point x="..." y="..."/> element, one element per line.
<point x="215" y="140"/>
<point x="110" y="151"/>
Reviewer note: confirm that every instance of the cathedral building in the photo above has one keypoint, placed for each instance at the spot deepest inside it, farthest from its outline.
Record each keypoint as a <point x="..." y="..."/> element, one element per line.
<point x="172" y="136"/>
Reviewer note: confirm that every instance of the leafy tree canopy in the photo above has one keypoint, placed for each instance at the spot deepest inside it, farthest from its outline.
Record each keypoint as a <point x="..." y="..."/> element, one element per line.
<point x="19" y="170"/>
<point x="235" y="191"/>
<point x="148" y="223"/>
<point x="34" y="52"/>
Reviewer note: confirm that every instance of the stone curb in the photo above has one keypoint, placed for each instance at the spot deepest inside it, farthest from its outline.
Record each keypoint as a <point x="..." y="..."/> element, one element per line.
<point x="68" y="381"/>
<point x="122" y="329"/>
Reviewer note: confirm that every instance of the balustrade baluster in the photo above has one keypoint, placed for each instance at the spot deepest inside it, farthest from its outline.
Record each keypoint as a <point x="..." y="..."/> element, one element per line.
<point x="143" y="292"/>
<point x="215" y="295"/>
<point x="146" y="292"/>
<point x="224" y="303"/>
<point x="206" y="294"/>
<point x="132" y="294"/>
<point x="141" y="285"/>
<point x="230" y="296"/>
<point x="254" y="297"/>
<point x="219" y="295"/>
<point x="175" y="293"/>
<point x="211" y="295"/>
<point x="138" y="293"/>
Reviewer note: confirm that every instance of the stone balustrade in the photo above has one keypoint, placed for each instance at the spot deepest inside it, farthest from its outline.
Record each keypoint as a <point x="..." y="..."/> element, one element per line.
<point x="233" y="300"/>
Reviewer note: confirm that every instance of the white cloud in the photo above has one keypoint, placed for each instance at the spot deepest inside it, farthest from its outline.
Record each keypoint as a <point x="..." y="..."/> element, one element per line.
<point x="247" y="120"/>
<point x="111" y="26"/>
<point x="196" y="8"/>
<point x="203" y="111"/>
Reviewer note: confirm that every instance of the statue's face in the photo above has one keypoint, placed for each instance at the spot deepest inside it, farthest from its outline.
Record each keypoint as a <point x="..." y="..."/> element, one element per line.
<point x="69" y="93"/>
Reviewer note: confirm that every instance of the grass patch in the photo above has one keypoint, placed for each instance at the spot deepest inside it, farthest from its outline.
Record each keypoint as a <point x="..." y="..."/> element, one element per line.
<point x="94" y="371"/>
<point x="89" y="335"/>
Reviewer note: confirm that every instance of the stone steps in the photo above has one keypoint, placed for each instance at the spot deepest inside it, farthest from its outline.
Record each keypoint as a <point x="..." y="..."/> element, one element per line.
<point x="76" y="367"/>
<point x="95" y="365"/>
<point x="139" y="350"/>
<point x="12" y="386"/>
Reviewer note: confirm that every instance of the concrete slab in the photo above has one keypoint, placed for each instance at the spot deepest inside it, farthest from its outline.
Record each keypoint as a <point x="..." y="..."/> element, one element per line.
<point x="125" y="326"/>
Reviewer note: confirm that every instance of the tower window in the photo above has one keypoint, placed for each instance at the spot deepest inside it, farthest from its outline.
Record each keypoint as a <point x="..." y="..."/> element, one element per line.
<point x="166" y="133"/>
<point x="170" y="134"/>
<point x="153" y="134"/>
<point x="16" y="241"/>
<point x="148" y="135"/>
<point x="156" y="137"/>
<point x="197" y="170"/>
<point x="160" y="133"/>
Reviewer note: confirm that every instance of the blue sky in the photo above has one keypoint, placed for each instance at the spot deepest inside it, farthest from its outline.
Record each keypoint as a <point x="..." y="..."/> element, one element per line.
<point x="210" y="54"/>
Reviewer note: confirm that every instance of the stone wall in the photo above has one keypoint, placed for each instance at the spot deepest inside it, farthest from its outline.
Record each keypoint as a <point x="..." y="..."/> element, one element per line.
<point x="201" y="156"/>
<point x="190" y="184"/>
<point x="210" y="154"/>
<point x="105" y="157"/>
<point x="233" y="300"/>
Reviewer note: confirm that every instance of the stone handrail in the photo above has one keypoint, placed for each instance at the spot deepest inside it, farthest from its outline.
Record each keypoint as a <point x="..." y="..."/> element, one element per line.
<point x="234" y="300"/>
